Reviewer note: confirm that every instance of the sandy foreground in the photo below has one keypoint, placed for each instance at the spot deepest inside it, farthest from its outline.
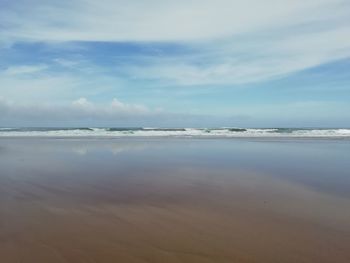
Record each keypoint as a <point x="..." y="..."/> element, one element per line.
<point x="102" y="201"/>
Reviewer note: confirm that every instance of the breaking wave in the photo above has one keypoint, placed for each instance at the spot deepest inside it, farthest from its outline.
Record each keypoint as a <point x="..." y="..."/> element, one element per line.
<point x="175" y="132"/>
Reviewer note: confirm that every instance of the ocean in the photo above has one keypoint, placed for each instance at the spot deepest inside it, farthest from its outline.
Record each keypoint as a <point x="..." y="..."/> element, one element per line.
<point x="225" y="132"/>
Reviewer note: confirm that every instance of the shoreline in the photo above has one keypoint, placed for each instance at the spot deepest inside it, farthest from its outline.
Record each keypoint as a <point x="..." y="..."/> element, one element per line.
<point x="169" y="138"/>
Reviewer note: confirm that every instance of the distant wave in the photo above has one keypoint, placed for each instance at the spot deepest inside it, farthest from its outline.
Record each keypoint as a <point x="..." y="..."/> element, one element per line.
<point x="175" y="132"/>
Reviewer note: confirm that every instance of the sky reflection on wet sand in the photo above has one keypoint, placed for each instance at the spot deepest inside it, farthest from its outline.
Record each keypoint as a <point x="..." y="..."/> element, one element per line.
<point x="174" y="200"/>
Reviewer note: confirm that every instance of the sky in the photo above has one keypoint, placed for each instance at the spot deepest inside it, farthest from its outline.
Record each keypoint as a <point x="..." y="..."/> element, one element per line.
<point x="192" y="63"/>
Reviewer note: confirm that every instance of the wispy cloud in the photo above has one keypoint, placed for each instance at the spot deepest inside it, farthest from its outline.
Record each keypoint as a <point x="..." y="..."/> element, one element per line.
<point x="232" y="43"/>
<point x="244" y="60"/>
<point x="166" y="20"/>
<point x="24" y="69"/>
<point x="57" y="80"/>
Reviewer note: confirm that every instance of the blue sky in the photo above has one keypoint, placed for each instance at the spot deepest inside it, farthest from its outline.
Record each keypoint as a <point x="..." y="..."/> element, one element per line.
<point x="175" y="63"/>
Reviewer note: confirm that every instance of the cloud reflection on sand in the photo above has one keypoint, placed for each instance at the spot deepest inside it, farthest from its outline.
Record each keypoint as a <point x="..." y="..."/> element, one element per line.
<point x="172" y="201"/>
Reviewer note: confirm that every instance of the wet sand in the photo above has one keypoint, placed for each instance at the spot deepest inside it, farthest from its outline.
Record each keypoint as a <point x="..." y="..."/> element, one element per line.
<point x="174" y="200"/>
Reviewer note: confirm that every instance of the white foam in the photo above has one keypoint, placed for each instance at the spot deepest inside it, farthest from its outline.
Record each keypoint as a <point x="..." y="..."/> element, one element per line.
<point x="188" y="132"/>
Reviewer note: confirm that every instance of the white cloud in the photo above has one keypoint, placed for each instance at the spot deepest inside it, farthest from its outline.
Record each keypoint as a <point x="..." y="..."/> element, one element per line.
<point x="67" y="63"/>
<point x="117" y="105"/>
<point x="233" y="41"/>
<point x="80" y="109"/>
<point x="31" y="87"/>
<point x="24" y="69"/>
<point x="115" y="108"/>
<point x="82" y="103"/>
<point x="155" y="20"/>
<point x="247" y="60"/>
<point x="42" y="82"/>
<point x="85" y="113"/>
